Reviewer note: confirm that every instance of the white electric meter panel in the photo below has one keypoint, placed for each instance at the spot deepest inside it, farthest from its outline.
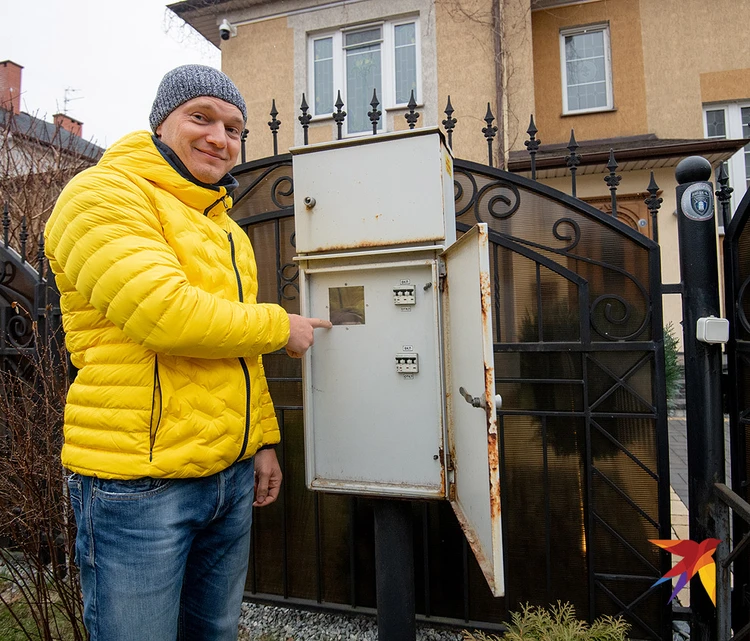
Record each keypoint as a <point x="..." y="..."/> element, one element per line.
<point x="473" y="467"/>
<point x="373" y="385"/>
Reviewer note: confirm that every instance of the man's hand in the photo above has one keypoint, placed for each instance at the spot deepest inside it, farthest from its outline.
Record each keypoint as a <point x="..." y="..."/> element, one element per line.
<point x="301" y="335"/>
<point x="267" y="477"/>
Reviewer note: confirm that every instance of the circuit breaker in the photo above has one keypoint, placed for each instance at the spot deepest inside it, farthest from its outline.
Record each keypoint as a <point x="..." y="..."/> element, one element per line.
<point x="399" y="396"/>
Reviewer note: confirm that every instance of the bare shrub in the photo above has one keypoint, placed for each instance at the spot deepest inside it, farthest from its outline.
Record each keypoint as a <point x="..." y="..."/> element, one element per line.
<point x="39" y="582"/>
<point x="37" y="160"/>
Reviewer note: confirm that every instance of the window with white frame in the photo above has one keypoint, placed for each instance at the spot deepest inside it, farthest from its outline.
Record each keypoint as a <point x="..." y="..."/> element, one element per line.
<point x="382" y="57"/>
<point x="731" y="121"/>
<point x="586" y="69"/>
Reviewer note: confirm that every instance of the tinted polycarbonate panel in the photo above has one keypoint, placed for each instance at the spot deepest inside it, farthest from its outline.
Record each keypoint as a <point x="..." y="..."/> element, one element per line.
<point x="334" y="532"/>
<point x="577" y="331"/>
<point x="544" y="498"/>
<point x="621" y="382"/>
<point x="547" y="381"/>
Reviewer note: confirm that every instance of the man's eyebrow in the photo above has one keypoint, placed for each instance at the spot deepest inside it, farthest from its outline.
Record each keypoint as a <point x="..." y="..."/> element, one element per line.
<point x="207" y="105"/>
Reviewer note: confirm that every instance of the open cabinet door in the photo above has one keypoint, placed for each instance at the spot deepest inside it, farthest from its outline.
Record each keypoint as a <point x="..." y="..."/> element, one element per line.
<point x="473" y="463"/>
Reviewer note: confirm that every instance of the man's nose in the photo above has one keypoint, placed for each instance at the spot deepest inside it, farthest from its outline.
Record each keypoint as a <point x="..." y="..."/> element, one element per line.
<point x="217" y="135"/>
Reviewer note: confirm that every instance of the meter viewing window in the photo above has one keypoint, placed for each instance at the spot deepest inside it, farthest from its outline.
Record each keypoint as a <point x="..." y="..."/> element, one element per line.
<point x="346" y="305"/>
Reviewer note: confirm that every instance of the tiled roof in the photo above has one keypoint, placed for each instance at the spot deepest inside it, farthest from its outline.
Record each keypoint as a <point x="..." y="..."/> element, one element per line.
<point x="631" y="153"/>
<point x="47" y="133"/>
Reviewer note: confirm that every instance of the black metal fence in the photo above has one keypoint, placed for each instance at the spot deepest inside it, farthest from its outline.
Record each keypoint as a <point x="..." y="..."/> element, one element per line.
<point x="29" y="305"/>
<point x="533" y="144"/>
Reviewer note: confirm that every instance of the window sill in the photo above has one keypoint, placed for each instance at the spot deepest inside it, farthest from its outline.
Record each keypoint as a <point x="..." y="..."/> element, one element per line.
<point x="585" y="112"/>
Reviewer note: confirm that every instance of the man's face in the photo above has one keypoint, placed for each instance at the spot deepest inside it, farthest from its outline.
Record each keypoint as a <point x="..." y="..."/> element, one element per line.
<point x="205" y="134"/>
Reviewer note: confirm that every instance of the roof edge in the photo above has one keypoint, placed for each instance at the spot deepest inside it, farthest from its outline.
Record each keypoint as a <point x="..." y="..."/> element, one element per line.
<point x="666" y="149"/>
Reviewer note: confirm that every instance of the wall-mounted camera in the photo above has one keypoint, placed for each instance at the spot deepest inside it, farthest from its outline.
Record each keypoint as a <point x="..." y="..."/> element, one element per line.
<point x="227" y="30"/>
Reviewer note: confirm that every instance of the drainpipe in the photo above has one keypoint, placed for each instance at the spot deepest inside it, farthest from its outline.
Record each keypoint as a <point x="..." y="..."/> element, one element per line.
<point x="501" y="107"/>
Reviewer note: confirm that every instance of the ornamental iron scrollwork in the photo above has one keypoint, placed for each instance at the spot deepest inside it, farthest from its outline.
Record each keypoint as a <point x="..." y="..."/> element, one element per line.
<point x="621" y="320"/>
<point x="277" y="191"/>
<point x="741" y="316"/>
<point x="499" y="198"/>
<point x="7" y="272"/>
<point x="511" y="204"/>
<point x="612" y="316"/>
<point x="574" y="239"/>
<point x="18" y="331"/>
<point x="253" y="190"/>
<point x="17" y="326"/>
<point x="289" y="280"/>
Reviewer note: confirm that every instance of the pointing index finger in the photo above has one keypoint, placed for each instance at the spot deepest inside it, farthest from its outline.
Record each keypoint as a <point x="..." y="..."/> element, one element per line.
<point x="319" y="323"/>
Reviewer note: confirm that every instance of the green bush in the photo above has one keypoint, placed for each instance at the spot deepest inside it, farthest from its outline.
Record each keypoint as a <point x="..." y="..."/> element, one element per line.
<point x="556" y="623"/>
<point x="672" y="370"/>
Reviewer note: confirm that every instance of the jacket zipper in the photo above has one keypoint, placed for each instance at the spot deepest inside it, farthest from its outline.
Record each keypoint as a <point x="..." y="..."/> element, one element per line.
<point x="213" y="204"/>
<point x="151" y="429"/>
<point x="243" y="364"/>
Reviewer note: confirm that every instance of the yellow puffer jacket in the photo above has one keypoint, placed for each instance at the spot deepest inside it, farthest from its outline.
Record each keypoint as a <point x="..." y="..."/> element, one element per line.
<point x="159" y="307"/>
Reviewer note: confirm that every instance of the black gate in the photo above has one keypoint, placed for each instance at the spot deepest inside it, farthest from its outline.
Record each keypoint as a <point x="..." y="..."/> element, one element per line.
<point x="579" y="362"/>
<point x="737" y="281"/>
<point x="29" y="308"/>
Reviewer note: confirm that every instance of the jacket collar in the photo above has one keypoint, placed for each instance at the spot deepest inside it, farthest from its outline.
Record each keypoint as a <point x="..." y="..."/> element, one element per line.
<point x="228" y="181"/>
<point x="138" y="154"/>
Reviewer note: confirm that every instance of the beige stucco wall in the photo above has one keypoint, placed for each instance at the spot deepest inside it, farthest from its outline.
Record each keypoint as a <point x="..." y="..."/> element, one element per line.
<point x="260" y="60"/>
<point x="466" y="70"/>
<point x="685" y="44"/>
<point x="519" y="71"/>
<point x="723" y="86"/>
<point x="629" y="92"/>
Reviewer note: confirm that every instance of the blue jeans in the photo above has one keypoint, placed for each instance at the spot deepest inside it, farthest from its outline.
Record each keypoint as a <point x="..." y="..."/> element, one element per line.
<point x="163" y="559"/>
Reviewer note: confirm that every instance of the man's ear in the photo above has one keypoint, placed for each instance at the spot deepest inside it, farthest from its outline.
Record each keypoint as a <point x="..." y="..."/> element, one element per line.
<point x="157" y="132"/>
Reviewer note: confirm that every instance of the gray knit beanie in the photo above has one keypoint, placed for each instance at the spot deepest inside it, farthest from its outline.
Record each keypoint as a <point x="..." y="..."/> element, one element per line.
<point x="192" y="81"/>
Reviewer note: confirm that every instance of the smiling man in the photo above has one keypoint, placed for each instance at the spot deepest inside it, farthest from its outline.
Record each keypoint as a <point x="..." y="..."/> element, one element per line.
<point x="169" y="426"/>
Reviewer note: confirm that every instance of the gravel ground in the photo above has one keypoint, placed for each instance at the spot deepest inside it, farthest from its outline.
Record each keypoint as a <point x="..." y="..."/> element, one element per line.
<point x="270" y="623"/>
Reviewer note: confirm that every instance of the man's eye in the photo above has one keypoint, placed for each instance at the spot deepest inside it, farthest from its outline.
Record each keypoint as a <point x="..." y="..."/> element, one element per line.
<point x="233" y="131"/>
<point x="200" y="117"/>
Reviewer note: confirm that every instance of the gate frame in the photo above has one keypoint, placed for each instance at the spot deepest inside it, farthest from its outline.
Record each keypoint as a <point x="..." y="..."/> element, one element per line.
<point x="735" y="499"/>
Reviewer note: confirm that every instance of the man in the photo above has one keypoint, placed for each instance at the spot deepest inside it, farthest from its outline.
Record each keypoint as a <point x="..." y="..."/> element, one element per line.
<point x="169" y="425"/>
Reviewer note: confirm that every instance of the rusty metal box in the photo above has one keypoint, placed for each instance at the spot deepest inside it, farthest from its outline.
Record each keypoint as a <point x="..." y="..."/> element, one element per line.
<point x="391" y="189"/>
<point x="399" y="397"/>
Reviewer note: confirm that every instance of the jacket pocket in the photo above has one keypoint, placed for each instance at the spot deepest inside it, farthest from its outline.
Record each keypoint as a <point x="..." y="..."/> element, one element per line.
<point x="156" y="410"/>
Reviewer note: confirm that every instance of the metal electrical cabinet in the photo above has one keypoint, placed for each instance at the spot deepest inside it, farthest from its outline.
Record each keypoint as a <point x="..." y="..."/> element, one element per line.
<point x="399" y="396"/>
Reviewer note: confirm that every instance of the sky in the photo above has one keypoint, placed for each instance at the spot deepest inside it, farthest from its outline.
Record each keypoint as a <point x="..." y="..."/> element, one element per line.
<point x="110" y="56"/>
